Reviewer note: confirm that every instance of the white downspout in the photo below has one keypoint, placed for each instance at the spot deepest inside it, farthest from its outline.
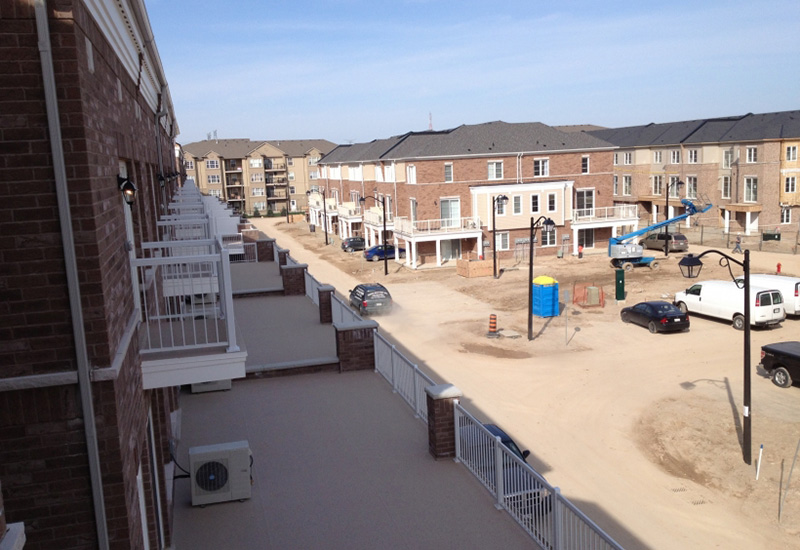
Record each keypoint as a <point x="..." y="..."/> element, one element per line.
<point x="68" y="242"/>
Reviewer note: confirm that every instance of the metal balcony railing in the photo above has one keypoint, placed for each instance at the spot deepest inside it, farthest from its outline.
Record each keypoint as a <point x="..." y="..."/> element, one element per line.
<point x="610" y="213"/>
<point x="404" y="226"/>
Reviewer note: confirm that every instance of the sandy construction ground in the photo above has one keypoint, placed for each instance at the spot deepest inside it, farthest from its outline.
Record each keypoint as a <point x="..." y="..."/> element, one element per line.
<point x="641" y="431"/>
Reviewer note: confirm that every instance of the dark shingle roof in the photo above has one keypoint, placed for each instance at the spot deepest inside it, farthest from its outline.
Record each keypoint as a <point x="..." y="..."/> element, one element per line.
<point x="749" y="127"/>
<point x="241" y="148"/>
<point x="300" y="147"/>
<point x="491" y="138"/>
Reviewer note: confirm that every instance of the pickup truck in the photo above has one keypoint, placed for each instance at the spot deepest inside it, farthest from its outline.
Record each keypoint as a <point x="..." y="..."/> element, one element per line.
<point x="782" y="362"/>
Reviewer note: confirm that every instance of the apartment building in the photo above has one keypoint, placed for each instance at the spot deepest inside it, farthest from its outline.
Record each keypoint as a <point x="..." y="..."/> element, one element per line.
<point x="746" y="165"/>
<point x="91" y="357"/>
<point x="446" y="194"/>
<point x="255" y="177"/>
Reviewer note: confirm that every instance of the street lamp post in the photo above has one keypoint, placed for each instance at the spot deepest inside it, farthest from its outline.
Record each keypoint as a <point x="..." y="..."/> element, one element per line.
<point x="324" y="215"/>
<point x="363" y="200"/>
<point x="503" y="199"/>
<point x="690" y="267"/>
<point x="679" y="184"/>
<point x="549" y="225"/>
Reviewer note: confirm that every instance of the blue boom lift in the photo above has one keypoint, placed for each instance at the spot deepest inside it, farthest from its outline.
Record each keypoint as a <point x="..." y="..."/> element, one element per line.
<point x="629" y="255"/>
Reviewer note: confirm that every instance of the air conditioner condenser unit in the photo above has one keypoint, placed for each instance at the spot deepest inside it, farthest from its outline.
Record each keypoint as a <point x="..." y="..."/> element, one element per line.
<point x="220" y="472"/>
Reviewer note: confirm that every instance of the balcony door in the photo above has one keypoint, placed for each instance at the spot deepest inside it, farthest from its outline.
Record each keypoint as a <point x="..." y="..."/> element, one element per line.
<point x="584" y="202"/>
<point x="450" y="212"/>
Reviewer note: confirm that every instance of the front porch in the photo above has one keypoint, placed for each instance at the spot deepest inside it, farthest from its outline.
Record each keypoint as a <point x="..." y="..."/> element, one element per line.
<point x="615" y="217"/>
<point x="373" y="226"/>
<point x="449" y="235"/>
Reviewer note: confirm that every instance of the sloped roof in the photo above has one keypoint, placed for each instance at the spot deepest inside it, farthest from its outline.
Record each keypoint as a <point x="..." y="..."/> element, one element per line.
<point x="487" y="139"/>
<point x="300" y="147"/>
<point x="226" y="148"/>
<point x="749" y="127"/>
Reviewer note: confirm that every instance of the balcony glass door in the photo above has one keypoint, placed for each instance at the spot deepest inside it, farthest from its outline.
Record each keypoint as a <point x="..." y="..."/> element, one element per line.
<point x="450" y="212"/>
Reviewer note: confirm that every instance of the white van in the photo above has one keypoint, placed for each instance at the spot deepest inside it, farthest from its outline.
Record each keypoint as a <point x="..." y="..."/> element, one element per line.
<point x="789" y="287"/>
<point x="725" y="300"/>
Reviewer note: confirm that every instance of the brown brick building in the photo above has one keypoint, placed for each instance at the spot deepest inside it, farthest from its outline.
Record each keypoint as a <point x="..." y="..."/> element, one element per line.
<point x="84" y="449"/>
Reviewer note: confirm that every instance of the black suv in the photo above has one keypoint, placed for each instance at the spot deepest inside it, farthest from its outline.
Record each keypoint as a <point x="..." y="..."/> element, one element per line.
<point x="369" y="299"/>
<point x="353" y="243"/>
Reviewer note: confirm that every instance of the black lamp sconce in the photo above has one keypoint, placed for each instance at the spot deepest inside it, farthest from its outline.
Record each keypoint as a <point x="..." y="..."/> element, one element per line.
<point x="128" y="190"/>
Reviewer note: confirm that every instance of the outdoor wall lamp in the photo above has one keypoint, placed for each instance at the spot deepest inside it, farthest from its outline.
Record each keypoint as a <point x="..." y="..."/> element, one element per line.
<point x="128" y="190"/>
<point x="161" y="179"/>
<point x="690" y="268"/>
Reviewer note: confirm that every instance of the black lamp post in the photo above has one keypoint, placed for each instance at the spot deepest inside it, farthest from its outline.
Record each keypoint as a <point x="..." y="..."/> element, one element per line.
<point x="503" y="199"/>
<point x="548" y="225"/>
<point x="678" y="184"/>
<point x="363" y="200"/>
<point x="690" y="267"/>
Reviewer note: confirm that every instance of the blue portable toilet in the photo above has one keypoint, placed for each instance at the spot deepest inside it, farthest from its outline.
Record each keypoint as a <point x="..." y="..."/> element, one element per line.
<point x="545" y="297"/>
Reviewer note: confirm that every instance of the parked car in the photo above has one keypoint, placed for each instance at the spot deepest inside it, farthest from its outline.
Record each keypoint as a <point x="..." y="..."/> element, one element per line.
<point x="376" y="252"/>
<point x="655" y="241"/>
<point x="657" y="316"/>
<point x="506" y="440"/>
<point x="782" y="362"/>
<point x="725" y="300"/>
<point x="789" y="287"/>
<point x="369" y="299"/>
<point x="351" y="244"/>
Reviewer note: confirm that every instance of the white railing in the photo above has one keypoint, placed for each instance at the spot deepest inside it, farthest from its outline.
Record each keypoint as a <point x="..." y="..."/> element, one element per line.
<point x="179" y="228"/>
<point x="404" y="376"/>
<point x="186" y="297"/>
<point x="546" y="515"/>
<point x="404" y="226"/>
<point x="349" y="210"/>
<point x="372" y="217"/>
<point x="341" y="312"/>
<point x="619" y="212"/>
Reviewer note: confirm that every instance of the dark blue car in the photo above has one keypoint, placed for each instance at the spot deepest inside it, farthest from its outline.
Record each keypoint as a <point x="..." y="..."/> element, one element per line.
<point x="657" y="316"/>
<point x="377" y="252"/>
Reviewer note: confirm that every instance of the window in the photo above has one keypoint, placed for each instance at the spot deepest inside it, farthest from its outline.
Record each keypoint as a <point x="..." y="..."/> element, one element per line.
<point x="534" y="204"/>
<point x="258" y="177"/>
<point x="656" y="157"/>
<point x="500" y="207"/>
<point x="215" y="193"/>
<point x="750" y="189"/>
<point x="726" y="187"/>
<point x="232" y="165"/>
<point x="616" y="185"/>
<point x="313" y="160"/>
<point x="727" y="158"/>
<point x="448" y="172"/>
<point x="256" y="163"/>
<point x="551" y="202"/>
<point x="752" y="155"/>
<point x="790" y="185"/>
<point x="691" y="187"/>
<point x="516" y="201"/>
<point x="786" y="214"/>
<point x="213" y="179"/>
<point x="188" y="164"/>
<point x="261" y="206"/>
<point x="584" y="165"/>
<point x="292" y="190"/>
<point x="495" y="170"/>
<point x="626" y="185"/>
<point x="627" y="158"/>
<point x="411" y="174"/>
<point x="674" y="188"/>
<point x="616" y="159"/>
<point x="502" y="241"/>
<point x="291" y="176"/>
<point x="791" y="152"/>
<point x="658" y="184"/>
<point x="693" y="156"/>
<point x="675" y="156"/>
<point x="541" y="167"/>
<point x="390" y="173"/>
<point x="293" y="205"/>
<point x="212" y="164"/>
<point x="289" y="161"/>
<point x="548" y="237"/>
<point x="257" y="191"/>
<point x="584" y="201"/>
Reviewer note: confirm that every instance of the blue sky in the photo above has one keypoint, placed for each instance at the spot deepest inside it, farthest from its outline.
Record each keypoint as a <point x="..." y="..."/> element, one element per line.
<point x="353" y="71"/>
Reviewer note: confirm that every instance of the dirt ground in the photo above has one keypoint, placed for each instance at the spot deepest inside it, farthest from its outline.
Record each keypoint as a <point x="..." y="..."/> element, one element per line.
<point x="641" y="431"/>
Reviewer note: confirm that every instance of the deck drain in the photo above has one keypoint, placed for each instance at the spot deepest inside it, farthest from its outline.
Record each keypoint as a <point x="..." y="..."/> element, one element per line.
<point x="679" y="490"/>
<point x="698" y="502"/>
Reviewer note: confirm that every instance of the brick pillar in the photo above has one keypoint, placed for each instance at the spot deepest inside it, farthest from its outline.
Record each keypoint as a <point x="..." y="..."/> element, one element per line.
<point x="441" y="420"/>
<point x="283" y="254"/>
<point x="249" y="235"/>
<point x="294" y="279"/>
<point x="355" y="345"/>
<point x="266" y="250"/>
<point x="326" y="304"/>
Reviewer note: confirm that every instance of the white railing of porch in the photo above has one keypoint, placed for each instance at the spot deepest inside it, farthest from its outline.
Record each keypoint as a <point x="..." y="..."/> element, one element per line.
<point x="404" y="226"/>
<point x="610" y="213"/>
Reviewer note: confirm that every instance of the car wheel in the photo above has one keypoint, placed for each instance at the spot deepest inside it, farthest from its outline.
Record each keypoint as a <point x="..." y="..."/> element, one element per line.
<point x="627" y="266"/>
<point x="374" y="259"/>
<point x="781" y="378"/>
<point x="652" y="327"/>
<point x="654" y="266"/>
<point x="682" y="307"/>
<point x="738" y="322"/>
<point x="348" y="249"/>
<point x="626" y="318"/>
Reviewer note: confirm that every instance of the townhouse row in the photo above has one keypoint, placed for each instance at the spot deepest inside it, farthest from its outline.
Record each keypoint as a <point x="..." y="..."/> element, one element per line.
<point x="255" y="177"/>
<point x="468" y="190"/>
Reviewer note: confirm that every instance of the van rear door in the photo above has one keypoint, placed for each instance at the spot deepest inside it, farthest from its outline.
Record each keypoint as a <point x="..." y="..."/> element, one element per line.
<point x="768" y="307"/>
